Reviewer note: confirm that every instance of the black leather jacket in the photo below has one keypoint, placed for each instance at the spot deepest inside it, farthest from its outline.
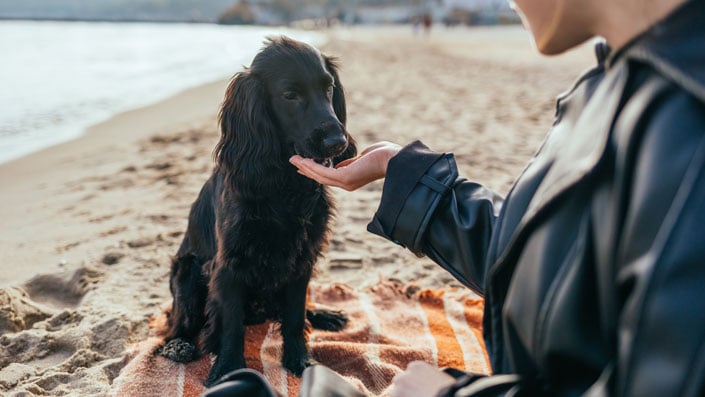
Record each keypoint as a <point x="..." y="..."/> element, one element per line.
<point x="593" y="267"/>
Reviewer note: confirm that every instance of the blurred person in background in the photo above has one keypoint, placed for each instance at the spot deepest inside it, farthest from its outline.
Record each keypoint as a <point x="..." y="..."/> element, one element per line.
<point x="427" y="23"/>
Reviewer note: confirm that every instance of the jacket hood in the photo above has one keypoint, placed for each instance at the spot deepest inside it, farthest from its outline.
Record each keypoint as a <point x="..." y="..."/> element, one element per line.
<point x="675" y="47"/>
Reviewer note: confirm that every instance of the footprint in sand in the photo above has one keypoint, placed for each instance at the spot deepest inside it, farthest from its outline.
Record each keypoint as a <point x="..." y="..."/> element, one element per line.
<point x="18" y="312"/>
<point x="112" y="257"/>
<point x="45" y="341"/>
<point x="41" y="344"/>
<point x="62" y="319"/>
<point x="140" y="242"/>
<point x="159" y="218"/>
<point x="62" y="290"/>
<point x="159" y="166"/>
<point x="117" y="183"/>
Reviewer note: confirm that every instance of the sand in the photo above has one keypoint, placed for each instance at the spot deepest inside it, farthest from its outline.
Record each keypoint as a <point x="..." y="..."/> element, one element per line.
<point x="88" y="226"/>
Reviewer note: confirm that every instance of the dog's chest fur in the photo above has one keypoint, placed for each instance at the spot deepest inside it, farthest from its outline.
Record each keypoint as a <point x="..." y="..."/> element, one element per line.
<point x="277" y="239"/>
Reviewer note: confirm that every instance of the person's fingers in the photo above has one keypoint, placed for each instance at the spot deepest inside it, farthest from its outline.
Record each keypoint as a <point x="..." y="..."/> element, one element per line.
<point x="322" y="180"/>
<point x="349" y="174"/>
<point x="317" y="169"/>
<point x="307" y="165"/>
<point x="403" y="384"/>
<point x="419" y="379"/>
<point x="398" y="385"/>
<point x="323" y="175"/>
<point x="419" y="365"/>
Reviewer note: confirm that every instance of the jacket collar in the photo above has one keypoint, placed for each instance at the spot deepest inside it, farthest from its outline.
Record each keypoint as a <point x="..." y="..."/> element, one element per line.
<point x="582" y="148"/>
<point x="675" y="47"/>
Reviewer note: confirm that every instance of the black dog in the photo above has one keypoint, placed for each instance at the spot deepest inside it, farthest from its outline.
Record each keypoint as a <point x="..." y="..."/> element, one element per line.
<point x="258" y="227"/>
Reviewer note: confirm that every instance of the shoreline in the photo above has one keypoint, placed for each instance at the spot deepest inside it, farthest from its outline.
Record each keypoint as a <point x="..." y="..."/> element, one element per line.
<point x="26" y="180"/>
<point x="113" y="21"/>
<point x="97" y="133"/>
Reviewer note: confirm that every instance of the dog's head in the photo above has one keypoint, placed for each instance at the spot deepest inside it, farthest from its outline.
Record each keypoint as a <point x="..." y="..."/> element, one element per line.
<point x="289" y="101"/>
<point x="305" y="96"/>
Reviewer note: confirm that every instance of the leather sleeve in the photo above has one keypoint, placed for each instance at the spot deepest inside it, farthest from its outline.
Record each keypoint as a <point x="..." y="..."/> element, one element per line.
<point x="428" y="209"/>
<point x="660" y="255"/>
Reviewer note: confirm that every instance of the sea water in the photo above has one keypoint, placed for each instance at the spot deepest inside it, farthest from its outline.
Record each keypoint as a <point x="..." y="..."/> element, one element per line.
<point x="57" y="78"/>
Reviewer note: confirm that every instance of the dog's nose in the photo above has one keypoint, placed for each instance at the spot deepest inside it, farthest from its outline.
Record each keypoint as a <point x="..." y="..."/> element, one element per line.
<point x="335" y="144"/>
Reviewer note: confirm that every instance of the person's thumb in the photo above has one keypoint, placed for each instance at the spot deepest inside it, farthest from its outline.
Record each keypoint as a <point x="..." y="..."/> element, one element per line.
<point x="346" y="162"/>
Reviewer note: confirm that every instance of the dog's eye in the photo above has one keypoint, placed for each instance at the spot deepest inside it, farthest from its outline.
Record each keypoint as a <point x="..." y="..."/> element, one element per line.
<point x="290" y="95"/>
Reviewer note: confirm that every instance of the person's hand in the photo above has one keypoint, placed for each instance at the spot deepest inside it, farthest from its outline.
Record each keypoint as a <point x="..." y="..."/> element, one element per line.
<point x="351" y="174"/>
<point x="420" y="380"/>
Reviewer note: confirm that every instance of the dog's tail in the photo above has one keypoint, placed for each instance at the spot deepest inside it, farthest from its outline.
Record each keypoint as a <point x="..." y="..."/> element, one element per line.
<point x="326" y="320"/>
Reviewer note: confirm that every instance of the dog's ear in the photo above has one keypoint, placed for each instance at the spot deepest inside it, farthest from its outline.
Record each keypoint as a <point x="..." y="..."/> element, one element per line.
<point x="340" y="109"/>
<point x="249" y="145"/>
<point x="338" y="90"/>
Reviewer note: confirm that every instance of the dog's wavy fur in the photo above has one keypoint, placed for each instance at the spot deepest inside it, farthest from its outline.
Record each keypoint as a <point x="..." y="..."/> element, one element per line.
<point x="256" y="229"/>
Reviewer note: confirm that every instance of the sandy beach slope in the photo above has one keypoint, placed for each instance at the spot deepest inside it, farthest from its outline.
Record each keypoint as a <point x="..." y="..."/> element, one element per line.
<point x="88" y="226"/>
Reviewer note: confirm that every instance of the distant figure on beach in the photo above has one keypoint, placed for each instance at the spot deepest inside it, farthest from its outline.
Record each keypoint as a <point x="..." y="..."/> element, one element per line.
<point x="427" y="22"/>
<point x="415" y="24"/>
<point x="592" y="267"/>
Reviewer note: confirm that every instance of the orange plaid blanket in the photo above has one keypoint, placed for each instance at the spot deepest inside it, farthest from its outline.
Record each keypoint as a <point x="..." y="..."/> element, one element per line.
<point x="389" y="327"/>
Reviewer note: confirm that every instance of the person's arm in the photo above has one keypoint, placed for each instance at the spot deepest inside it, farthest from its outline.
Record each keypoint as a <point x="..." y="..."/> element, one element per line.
<point x="426" y="208"/>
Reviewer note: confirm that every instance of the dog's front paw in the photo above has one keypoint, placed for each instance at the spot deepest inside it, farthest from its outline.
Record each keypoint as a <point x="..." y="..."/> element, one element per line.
<point x="221" y="368"/>
<point x="179" y="350"/>
<point x="327" y="320"/>
<point x="297" y="365"/>
<point x="212" y="378"/>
